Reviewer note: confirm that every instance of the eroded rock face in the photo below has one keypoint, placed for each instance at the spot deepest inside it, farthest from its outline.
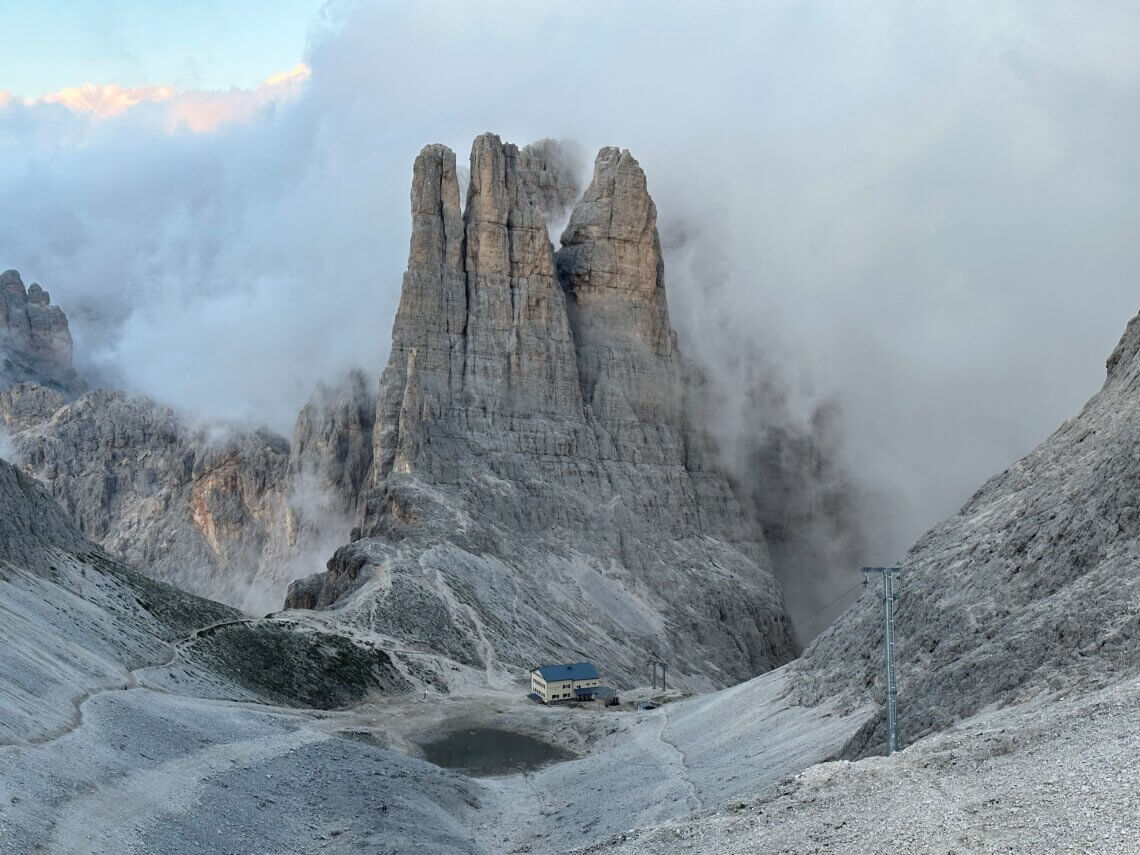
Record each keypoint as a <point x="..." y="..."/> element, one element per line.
<point x="75" y="624"/>
<point x="31" y="524"/>
<point x="539" y="487"/>
<point x="554" y="168"/>
<point x="26" y="404"/>
<point x="194" y="510"/>
<point x="232" y="514"/>
<point x="1031" y="587"/>
<point x="332" y="440"/>
<point x="35" y="341"/>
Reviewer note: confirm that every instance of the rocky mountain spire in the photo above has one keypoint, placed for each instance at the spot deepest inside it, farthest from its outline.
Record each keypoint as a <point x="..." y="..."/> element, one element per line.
<point x="611" y="261"/>
<point x="432" y="314"/>
<point x="534" y="428"/>
<point x="35" y="341"/>
<point x="518" y="337"/>
<point x="482" y="322"/>
<point x="530" y="481"/>
<point x="611" y="264"/>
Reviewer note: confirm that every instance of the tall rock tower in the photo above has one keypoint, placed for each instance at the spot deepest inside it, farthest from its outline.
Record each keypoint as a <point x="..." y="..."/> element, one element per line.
<point x="540" y="488"/>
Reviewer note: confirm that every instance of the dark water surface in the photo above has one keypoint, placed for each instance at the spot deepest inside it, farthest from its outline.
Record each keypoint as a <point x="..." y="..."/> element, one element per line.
<point x="490" y="751"/>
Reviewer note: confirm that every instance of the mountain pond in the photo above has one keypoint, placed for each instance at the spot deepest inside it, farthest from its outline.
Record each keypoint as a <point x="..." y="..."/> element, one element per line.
<point x="483" y="751"/>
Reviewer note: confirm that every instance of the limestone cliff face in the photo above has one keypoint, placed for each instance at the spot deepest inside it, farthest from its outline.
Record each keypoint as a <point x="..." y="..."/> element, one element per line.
<point x="539" y="486"/>
<point x="35" y="341"/>
<point x="481" y="333"/>
<point x="553" y="170"/>
<point x="26" y="404"/>
<point x="332" y="440"/>
<point x="233" y="516"/>
<point x="194" y="510"/>
<point x="1031" y="587"/>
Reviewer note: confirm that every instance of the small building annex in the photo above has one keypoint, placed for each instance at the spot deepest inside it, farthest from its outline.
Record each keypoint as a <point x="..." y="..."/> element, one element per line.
<point x="578" y="681"/>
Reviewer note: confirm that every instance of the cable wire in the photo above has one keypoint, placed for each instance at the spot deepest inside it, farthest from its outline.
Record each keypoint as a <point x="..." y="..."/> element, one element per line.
<point x="804" y="620"/>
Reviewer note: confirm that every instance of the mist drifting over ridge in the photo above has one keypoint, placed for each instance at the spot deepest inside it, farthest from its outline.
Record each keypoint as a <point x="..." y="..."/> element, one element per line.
<point x="919" y="219"/>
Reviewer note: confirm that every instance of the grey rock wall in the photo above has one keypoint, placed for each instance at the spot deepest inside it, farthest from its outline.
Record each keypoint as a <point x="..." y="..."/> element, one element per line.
<point x="1032" y="587"/>
<point x="194" y="510"/>
<point x="229" y="513"/>
<point x="539" y="481"/>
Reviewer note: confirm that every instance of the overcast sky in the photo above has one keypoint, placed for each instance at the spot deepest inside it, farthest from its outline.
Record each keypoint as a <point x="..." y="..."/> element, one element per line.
<point x="925" y="211"/>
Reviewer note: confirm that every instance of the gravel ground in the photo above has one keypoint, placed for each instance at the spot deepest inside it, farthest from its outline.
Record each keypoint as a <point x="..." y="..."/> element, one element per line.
<point x="1050" y="775"/>
<point x="652" y="766"/>
<point x="147" y="773"/>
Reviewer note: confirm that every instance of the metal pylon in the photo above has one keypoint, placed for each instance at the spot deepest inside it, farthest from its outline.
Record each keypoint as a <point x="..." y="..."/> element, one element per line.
<point x="888" y="596"/>
<point x="654" y="662"/>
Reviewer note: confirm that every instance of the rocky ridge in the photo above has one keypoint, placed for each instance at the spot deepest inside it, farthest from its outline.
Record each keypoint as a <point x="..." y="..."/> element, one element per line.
<point x="137" y="717"/>
<point x="231" y="514"/>
<point x="74" y="623"/>
<point x="539" y="487"/>
<point x="1031" y="588"/>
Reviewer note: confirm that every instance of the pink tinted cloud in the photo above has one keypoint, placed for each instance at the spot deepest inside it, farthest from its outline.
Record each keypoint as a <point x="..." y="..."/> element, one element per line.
<point x="199" y="111"/>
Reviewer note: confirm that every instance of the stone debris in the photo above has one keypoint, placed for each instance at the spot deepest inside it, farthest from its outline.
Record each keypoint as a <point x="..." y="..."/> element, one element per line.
<point x="1052" y="775"/>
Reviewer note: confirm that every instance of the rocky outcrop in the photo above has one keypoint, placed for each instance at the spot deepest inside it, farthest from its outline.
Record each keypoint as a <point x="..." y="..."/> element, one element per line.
<point x="75" y="624"/>
<point x="553" y="169"/>
<point x="330" y="459"/>
<point x="332" y="441"/>
<point x="31" y="524"/>
<point x="35" y="341"/>
<point x="1032" y="587"/>
<point x="195" y="510"/>
<point x="231" y="514"/>
<point x="71" y="622"/>
<point x="539" y="485"/>
<point x="24" y="405"/>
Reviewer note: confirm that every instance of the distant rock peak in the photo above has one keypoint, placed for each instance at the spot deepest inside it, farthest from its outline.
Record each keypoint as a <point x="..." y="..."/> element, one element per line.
<point x="37" y="296"/>
<point x="35" y="340"/>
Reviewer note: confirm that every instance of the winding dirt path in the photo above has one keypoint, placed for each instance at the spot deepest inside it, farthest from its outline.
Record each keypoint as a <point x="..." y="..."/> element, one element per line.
<point x="132" y="682"/>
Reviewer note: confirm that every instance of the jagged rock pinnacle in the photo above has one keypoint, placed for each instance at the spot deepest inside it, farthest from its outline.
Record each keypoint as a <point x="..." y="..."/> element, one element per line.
<point x="535" y="416"/>
<point x="35" y="341"/>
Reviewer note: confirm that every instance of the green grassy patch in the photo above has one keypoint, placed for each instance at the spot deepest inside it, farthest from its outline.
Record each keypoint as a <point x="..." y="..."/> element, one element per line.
<point x="297" y="666"/>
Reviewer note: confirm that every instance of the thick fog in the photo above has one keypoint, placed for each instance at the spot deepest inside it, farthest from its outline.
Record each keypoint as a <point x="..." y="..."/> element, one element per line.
<point x="906" y="232"/>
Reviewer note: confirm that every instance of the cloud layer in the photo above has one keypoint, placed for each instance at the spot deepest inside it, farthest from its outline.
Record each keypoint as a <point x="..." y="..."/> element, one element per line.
<point x="920" y="214"/>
